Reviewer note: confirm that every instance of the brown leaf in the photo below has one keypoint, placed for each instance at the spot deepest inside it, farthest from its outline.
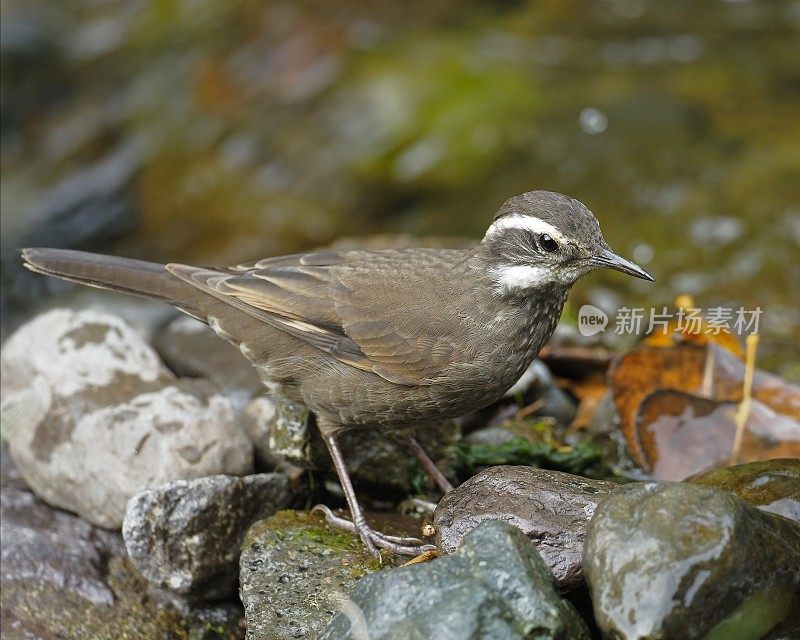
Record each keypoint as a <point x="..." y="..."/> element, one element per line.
<point x="682" y="434"/>
<point x="710" y="371"/>
<point x="637" y="374"/>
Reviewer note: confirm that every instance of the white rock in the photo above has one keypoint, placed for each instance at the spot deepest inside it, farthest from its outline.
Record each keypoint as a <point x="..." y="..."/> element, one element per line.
<point x="93" y="417"/>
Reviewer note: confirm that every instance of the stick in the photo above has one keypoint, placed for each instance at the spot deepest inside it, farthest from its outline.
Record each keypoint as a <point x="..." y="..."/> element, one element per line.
<point x="743" y="412"/>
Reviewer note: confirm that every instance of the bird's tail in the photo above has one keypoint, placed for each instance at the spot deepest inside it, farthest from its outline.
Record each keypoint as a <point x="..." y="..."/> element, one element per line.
<point x="146" y="279"/>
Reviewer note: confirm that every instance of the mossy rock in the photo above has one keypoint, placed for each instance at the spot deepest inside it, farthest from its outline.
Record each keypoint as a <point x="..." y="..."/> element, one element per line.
<point x="295" y="570"/>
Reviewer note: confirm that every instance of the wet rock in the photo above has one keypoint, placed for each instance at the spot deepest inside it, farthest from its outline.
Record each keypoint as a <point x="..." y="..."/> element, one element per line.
<point x="666" y="560"/>
<point x="282" y="428"/>
<point x="537" y="385"/>
<point x="294" y="571"/>
<point x="190" y="348"/>
<point x="386" y="462"/>
<point x="185" y="535"/>
<point x="259" y="419"/>
<point x="772" y="485"/>
<point x="495" y="586"/>
<point x="63" y="578"/>
<point x="550" y="507"/>
<point x="279" y="428"/>
<point x="93" y="417"/>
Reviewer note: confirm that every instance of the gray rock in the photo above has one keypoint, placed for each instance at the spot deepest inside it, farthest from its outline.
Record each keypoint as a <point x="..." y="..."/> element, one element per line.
<point x="770" y="485"/>
<point x="294" y="571"/>
<point x="64" y="578"/>
<point x="677" y="560"/>
<point x="93" y="417"/>
<point x="377" y="459"/>
<point x="537" y="384"/>
<point x="185" y="535"/>
<point x="373" y="458"/>
<point x="496" y="586"/>
<point x="190" y="348"/>
<point x="550" y="507"/>
<point x="279" y="429"/>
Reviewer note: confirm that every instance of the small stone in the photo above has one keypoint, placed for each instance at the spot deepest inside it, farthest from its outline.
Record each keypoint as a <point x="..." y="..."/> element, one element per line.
<point x="537" y="385"/>
<point x="185" y="535"/>
<point x="93" y="417"/>
<point x="64" y="578"/>
<point x="495" y="586"/>
<point x="550" y="507"/>
<point x="678" y="560"/>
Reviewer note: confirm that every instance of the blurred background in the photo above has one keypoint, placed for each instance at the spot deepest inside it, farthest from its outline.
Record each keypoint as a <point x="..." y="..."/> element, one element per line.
<point x="214" y="132"/>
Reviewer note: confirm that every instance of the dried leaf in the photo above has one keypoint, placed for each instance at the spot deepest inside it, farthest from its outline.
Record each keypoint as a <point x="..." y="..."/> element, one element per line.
<point x="682" y="434"/>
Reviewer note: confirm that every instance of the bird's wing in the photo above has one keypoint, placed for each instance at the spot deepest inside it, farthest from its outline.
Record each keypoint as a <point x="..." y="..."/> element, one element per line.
<point x="289" y="293"/>
<point x="345" y="304"/>
<point x="404" y="311"/>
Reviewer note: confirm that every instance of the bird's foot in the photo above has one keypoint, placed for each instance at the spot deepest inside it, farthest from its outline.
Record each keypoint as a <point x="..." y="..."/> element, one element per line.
<point x="373" y="540"/>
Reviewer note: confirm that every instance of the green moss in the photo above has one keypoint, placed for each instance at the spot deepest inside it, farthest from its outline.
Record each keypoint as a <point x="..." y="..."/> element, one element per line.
<point x="581" y="459"/>
<point x="755" y="617"/>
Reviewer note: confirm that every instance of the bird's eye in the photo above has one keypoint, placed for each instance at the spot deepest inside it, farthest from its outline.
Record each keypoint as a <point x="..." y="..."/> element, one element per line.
<point x="547" y="243"/>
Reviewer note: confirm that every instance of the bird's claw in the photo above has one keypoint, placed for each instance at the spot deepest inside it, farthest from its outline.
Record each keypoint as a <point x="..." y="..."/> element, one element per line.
<point x="401" y="545"/>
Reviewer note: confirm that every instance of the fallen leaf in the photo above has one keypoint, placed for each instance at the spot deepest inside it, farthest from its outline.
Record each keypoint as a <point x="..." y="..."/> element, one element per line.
<point x="682" y="434"/>
<point x="709" y="371"/>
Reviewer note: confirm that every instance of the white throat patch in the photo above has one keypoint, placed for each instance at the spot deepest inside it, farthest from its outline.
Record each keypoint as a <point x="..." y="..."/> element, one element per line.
<point x="531" y="223"/>
<point x="518" y="277"/>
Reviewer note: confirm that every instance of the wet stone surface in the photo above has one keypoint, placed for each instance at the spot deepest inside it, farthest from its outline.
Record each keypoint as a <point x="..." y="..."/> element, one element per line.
<point x="93" y="417"/>
<point x="552" y="508"/>
<point x="772" y="485"/>
<point x="186" y="535"/>
<point x="294" y="572"/>
<point x="495" y="587"/>
<point x="669" y="560"/>
<point x="64" y="578"/>
<point x="282" y="428"/>
<point x="382" y="461"/>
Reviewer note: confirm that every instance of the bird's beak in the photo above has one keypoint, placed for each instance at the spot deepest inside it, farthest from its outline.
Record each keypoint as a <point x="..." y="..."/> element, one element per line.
<point x="611" y="260"/>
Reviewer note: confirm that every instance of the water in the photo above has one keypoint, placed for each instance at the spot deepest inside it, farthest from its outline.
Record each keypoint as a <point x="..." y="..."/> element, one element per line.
<point x="253" y="130"/>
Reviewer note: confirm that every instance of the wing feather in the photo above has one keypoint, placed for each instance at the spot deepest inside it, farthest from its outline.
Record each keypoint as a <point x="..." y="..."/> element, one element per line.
<point x="330" y="300"/>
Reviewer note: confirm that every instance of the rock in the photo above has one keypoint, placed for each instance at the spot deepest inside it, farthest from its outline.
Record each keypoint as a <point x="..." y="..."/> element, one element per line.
<point x="385" y="462"/>
<point x="186" y="535"/>
<point x="495" y="586"/>
<point x="64" y="578"/>
<point x="294" y="570"/>
<point x="772" y="485"/>
<point x="537" y="385"/>
<point x="259" y="419"/>
<point x="550" y="507"/>
<point x="372" y="457"/>
<point x="677" y="560"/>
<point x="279" y="430"/>
<point x="9" y="474"/>
<point x="190" y="348"/>
<point x="93" y="417"/>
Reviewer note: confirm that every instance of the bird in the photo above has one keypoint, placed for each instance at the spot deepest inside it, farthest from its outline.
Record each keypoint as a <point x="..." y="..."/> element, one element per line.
<point x="392" y="340"/>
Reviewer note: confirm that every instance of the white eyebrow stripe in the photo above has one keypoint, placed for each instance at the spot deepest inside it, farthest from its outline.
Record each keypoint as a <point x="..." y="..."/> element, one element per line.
<point x="531" y="223"/>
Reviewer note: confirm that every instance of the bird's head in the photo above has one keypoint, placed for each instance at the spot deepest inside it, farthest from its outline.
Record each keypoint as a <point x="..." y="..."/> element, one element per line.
<point x="541" y="239"/>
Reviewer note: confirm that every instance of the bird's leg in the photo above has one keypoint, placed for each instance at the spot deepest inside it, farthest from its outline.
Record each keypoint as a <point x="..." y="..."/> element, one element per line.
<point x="370" y="538"/>
<point x="428" y="466"/>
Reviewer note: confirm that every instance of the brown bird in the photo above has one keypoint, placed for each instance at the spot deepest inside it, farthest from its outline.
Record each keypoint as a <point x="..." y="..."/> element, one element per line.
<point x="383" y="339"/>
